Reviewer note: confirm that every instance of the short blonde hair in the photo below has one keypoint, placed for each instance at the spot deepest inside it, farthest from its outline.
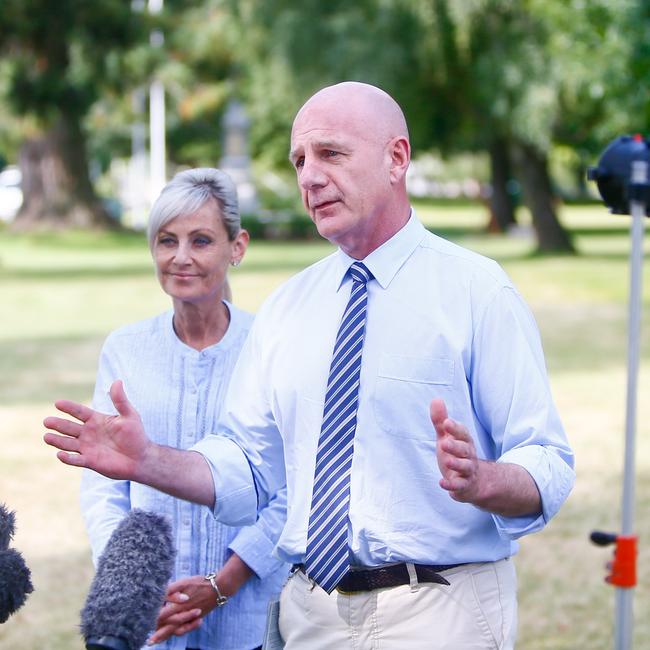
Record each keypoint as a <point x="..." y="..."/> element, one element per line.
<point x="187" y="192"/>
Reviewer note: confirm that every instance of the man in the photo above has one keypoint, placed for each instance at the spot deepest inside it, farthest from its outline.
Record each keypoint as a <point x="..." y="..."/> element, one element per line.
<point x="430" y="506"/>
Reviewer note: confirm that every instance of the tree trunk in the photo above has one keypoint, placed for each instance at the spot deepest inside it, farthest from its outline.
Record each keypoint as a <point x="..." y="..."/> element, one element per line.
<point x="502" y="208"/>
<point x="540" y="199"/>
<point x="57" y="191"/>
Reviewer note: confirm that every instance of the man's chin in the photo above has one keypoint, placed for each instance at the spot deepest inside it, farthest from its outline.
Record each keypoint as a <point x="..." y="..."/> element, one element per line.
<point x="327" y="228"/>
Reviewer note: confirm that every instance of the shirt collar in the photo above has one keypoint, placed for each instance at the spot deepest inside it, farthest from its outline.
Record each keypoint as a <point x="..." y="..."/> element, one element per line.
<point x="385" y="261"/>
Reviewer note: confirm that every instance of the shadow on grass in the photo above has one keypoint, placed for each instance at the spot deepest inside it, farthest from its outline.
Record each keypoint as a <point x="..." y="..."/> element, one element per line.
<point x="518" y="248"/>
<point x="76" y="273"/>
<point x="84" y="240"/>
<point x="268" y="261"/>
<point x="293" y="256"/>
<point x="112" y="272"/>
<point x="579" y="256"/>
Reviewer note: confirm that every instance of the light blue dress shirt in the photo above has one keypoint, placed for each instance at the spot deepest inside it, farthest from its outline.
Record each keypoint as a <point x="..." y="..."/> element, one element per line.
<point x="442" y="322"/>
<point x="178" y="392"/>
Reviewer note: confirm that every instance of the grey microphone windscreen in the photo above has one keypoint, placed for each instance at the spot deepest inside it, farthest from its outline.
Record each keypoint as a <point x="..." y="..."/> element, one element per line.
<point x="7" y="525"/>
<point x="15" y="577"/>
<point x="15" y="583"/>
<point x="130" y="583"/>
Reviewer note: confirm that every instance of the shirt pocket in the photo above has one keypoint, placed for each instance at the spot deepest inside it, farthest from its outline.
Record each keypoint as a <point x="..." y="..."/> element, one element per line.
<point x="404" y="389"/>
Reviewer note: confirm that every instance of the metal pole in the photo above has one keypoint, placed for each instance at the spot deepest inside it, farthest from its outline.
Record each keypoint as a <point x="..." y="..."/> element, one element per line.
<point x="624" y="595"/>
<point x="157" y="137"/>
<point x="157" y="153"/>
<point x="138" y="172"/>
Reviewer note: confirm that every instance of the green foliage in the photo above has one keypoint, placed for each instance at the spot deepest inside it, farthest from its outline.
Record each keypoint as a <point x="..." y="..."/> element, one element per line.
<point x="61" y="54"/>
<point x="200" y="75"/>
<point x="631" y="89"/>
<point x="293" y="49"/>
<point x="572" y="73"/>
<point x="284" y="226"/>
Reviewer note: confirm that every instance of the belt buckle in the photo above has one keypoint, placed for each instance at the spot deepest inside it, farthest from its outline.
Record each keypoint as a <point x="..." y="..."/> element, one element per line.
<point x="346" y="592"/>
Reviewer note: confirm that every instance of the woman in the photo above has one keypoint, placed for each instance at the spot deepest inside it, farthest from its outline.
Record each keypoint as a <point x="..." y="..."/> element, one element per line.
<point x="175" y="368"/>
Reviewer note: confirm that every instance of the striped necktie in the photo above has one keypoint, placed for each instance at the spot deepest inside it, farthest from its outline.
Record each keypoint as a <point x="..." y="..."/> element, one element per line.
<point x="327" y="556"/>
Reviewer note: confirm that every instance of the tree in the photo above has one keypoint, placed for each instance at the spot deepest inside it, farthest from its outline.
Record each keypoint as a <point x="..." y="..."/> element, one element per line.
<point x="292" y="49"/>
<point x="58" y="57"/>
<point x="442" y="61"/>
<point x="509" y="106"/>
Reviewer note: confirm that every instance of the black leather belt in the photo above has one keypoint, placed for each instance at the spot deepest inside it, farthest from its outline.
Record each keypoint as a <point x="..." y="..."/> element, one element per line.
<point x="384" y="577"/>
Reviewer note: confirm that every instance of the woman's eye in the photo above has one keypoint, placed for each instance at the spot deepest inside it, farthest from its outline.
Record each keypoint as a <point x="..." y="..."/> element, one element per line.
<point x="202" y="241"/>
<point x="166" y="241"/>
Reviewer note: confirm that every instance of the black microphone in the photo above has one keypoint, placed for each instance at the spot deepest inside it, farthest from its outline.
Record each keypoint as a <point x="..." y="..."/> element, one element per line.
<point x="15" y="577"/>
<point x="129" y="586"/>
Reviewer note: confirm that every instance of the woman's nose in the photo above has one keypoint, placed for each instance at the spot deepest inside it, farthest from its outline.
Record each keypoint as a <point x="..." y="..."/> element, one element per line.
<point x="182" y="254"/>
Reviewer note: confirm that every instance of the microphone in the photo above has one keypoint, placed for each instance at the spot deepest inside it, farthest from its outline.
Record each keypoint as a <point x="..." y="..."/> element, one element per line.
<point x="15" y="577"/>
<point x="129" y="586"/>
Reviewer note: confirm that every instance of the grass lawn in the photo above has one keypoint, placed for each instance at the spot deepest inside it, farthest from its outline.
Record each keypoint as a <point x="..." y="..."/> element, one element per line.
<point x="61" y="295"/>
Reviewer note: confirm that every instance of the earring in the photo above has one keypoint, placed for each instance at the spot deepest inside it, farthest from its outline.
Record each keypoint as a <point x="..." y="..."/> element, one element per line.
<point x="234" y="263"/>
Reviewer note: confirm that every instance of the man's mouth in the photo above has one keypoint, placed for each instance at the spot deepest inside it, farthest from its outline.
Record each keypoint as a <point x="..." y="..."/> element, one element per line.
<point x="320" y="205"/>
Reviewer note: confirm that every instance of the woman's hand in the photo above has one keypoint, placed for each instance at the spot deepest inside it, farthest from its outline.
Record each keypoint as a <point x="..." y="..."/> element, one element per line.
<point x="187" y="601"/>
<point x="190" y="599"/>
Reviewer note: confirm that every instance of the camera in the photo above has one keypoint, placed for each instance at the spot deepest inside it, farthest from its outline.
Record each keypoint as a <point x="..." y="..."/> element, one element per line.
<point x="614" y="175"/>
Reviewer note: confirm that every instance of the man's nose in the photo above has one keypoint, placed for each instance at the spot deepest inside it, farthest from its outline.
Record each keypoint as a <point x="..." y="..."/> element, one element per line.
<point x="311" y="175"/>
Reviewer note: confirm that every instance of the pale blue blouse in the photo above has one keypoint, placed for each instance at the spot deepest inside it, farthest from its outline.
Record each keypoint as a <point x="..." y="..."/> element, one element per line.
<point x="178" y="392"/>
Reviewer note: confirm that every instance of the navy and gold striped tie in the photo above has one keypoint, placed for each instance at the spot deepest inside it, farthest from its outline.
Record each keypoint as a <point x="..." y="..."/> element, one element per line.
<point x="327" y="556"/>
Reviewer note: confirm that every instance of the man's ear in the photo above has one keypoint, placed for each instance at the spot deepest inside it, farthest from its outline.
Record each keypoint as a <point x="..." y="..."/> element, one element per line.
<point x="400" y="153"/>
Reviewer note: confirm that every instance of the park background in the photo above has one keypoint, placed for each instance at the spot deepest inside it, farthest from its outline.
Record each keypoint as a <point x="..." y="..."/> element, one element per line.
<point x="508" y="102"/>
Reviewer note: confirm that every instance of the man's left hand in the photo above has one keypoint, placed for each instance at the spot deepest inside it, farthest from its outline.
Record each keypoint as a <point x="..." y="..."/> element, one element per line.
<point x="504" y="488"/>
<point x="457" y="459"/>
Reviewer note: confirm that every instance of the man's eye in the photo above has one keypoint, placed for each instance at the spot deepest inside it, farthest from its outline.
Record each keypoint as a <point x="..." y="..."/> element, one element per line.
<point x="332" y="154"/>
<point x="299" y="163"/>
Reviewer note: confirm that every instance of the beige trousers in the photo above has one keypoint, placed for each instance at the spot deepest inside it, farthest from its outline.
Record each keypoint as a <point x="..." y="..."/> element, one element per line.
<point x="477" y="612"/>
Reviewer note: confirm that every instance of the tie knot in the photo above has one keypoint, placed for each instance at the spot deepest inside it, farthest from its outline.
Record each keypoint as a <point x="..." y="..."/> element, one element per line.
<point x="360" y="273"/>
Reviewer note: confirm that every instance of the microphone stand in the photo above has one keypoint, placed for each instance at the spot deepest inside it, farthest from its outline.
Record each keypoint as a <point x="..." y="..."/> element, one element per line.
<point x="625" y="592"/>
<point x="623" y="568"/>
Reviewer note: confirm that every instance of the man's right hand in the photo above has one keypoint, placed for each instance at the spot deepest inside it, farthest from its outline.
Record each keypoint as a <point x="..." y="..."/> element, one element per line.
<point x="114" y="445"/>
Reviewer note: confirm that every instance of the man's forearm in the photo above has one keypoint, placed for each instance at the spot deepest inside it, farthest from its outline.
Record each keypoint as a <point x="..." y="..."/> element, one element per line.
<point x="180" y="473"/>
<point x="507" y="489"/>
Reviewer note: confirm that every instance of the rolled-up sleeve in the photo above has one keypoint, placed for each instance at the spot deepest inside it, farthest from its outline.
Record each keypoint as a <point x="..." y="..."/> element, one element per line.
<point x="513" y="401"/>
<point x="554" y="476"/>
<point x="236" y="502"/>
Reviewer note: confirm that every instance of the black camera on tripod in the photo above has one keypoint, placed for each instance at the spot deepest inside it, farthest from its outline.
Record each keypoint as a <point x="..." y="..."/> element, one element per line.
<point x="615" y="175"/>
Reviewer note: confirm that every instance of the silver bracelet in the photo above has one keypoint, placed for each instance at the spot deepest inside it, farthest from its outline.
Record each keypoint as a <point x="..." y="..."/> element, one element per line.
<point x="221" y="599"/>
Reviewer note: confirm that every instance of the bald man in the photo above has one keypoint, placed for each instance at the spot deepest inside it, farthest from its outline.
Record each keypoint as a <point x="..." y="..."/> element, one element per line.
<point x="445" y="446"/>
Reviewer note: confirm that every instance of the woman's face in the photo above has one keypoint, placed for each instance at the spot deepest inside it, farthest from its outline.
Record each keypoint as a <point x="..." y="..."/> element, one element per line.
<point x="192" y="253"/>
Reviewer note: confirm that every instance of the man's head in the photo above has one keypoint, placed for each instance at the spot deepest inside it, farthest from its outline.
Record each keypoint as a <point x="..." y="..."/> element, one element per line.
<point x="350" y="148"/>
